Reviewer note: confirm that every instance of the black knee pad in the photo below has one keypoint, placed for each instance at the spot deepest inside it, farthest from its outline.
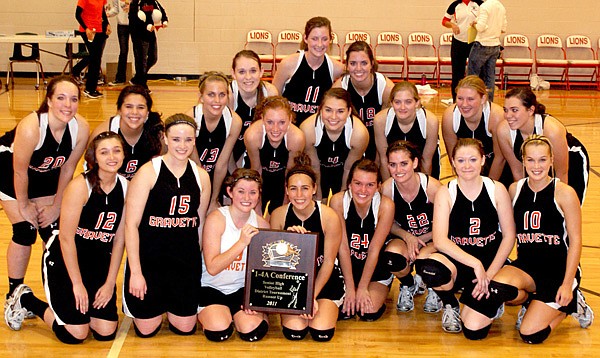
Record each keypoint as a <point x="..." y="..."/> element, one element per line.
<point x="179" y="332"/>
<point x="370" y="317"/>
<point x="488" y="306"/>
<point x="294" y="335"/>
<point x="219" y="336"/>
<point x="63" y="335"/>
<point x="149" y="335"/>
<point x="394" y="262"/>
<point x="477" y="334"/>
<point x="256" y="334"/>
<point x="101" y="338"/>
<point x="322" y="335"/>
<point x="434" y="273"/>
<point x="47" y="232"/>
<point x="537" y="337"/>
<point x="24" y="233"/>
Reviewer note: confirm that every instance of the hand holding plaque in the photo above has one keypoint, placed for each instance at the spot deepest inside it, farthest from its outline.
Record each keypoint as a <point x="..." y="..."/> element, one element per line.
<point x="280" y="272"/>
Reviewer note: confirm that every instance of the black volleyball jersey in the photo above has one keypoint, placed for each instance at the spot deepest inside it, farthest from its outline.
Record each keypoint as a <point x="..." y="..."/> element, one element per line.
<point x="579" y="161"/>
<point x="135" y="155"/>
<point x="415" y="217"/>
<point x="482" y="132"/>
<point x="541" y="228"/>
<point x="273" y="164"/>
<point x="416" y="135"/>
<point x="332" y="155"/>
<point x="98" y="224"/>
<point x="359" y="231"/>
<point x="46" y="160"/>
<point x="306" y="87"/>
<point x="170" y="217"/>
<point x="48" y="157"/>
<point x="367" y="107"/>
<point x="312" y="223"/>
<point x="246" y="114"/>
<point x="210" y="144"/>
<point x="474" y="225"/>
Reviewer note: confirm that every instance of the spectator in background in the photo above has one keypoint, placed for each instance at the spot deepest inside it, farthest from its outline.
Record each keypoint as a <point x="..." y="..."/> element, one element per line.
<point x="93" y="23"/>
<point x="145" y="18"/>
<point x="458" y="17"/>
<point x="120" y="9"/>
<point x="490" y="23"/>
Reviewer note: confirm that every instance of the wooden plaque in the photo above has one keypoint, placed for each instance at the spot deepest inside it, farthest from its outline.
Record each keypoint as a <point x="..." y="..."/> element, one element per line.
<point x="280" y="272"/>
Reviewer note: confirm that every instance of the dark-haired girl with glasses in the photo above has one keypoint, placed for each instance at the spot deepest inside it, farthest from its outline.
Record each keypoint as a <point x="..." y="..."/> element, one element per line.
<point x="545" y="277"/>
<point x="165" y="210"/>
<point x="526" y="116"/>
<point x="272" y="142"/>
<point x="218" y="128"/>
<point x="140" y="128"/>
<point x="227" y="233"/>
<point x="82" y="260"/>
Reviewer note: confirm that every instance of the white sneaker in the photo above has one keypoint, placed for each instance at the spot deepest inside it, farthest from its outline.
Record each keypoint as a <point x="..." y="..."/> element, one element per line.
<point x="451" y="319"/>
<point x="584" y="313"/>
<point x="500" y="312"/>
<point x="14" y="313"/>
<point x="421" y="286"/>
<point x="520" y="316"/>
<point x="433" y="303"/>
<point x="405" y="298"/>
<point x="447" y="102"/>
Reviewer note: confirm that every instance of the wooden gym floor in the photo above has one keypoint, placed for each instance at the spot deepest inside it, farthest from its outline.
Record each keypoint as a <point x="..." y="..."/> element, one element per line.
<point x="415" y="333"/>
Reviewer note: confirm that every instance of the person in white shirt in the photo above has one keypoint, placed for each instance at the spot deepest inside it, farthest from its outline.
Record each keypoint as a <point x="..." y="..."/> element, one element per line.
<point x="459" y="16"/>
<point x="490" y="23"/>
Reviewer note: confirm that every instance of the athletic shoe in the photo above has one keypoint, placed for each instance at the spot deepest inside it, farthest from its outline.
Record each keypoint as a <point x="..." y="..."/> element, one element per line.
<point x="447" y="102"/>
<point x="421" y="286"/>
<point x="433" y="303"/>
<point x="92" y="95"/>
<point x="405" y="298"/>
<point x="520" y="316"/>
<point x="116" y="83"/>
<point x="584" y="313"/>
<point x="500" y="312"/>
<point x="451" y="319"/>
<point x="14" y="313"/>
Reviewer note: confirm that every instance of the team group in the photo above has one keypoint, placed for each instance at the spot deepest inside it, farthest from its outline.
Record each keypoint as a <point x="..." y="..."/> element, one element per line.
<point x="342" y="152"/>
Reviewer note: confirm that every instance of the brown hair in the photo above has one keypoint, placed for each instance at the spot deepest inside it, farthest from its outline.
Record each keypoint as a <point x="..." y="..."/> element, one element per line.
<point x="51" y="88"/>
<point x="359" y="46"/>
<point x="211" y="76"/>
<point x="153" y="126"/>
<point x="253" y="56"/>
<point x="242" y="174"/>
<point x="407" y="147"/>
<point x="527" y="98"/>
<point x="468" y="142"/>
<point x="313" y="23"/>
<point x="366" y="165"/>
<point x="405" y="86"/>
<point x="302" y="165"/>
<point x="274" y="102"/>
<point x="180" y="118"/>
<point x="92" y="162"/>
